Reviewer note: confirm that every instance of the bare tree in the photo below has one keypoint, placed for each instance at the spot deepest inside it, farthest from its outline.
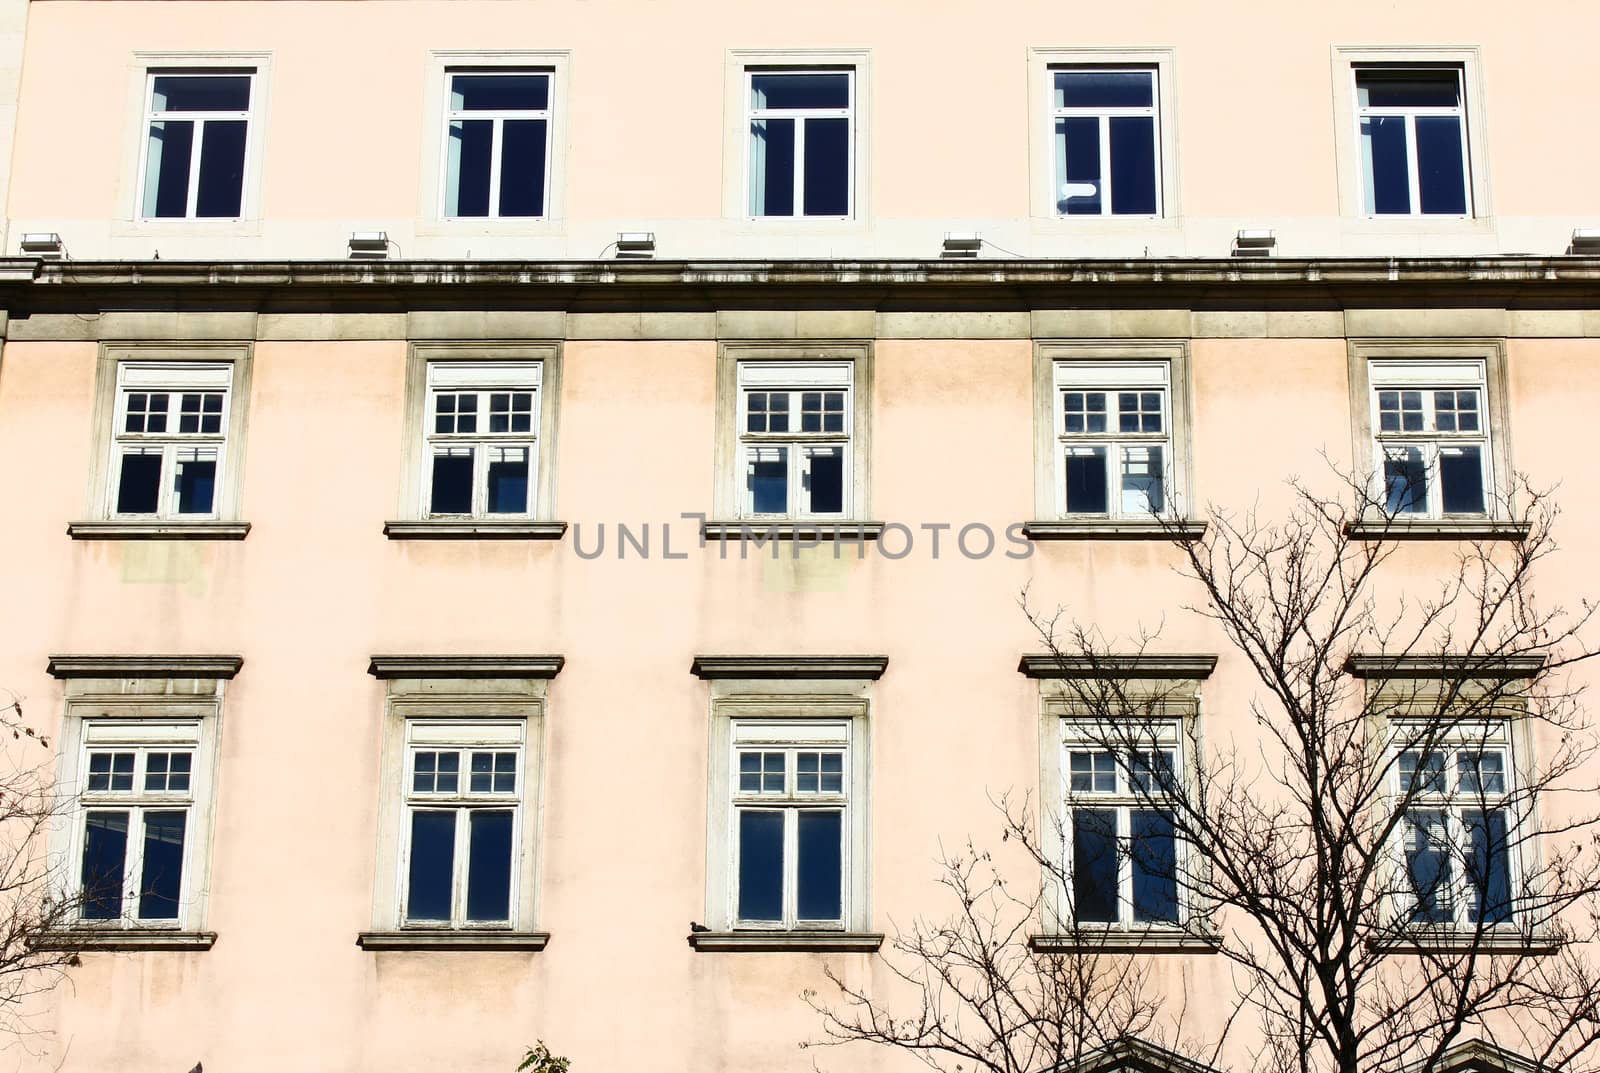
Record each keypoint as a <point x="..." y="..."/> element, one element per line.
<point x="1395" y="847"/>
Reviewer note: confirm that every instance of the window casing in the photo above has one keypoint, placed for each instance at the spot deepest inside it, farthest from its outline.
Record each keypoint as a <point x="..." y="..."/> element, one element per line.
<point x="497" y="130"/>
<point x="1431" y="438"/>
<point x="197" y="143"/>
<point x="1113" y="428"/>
<point x="1107" y="141"/>
<point x="800" y="143"/>
<point x="481" y="439"/>
<point x="1414" y="146"/>
<point x="170" y="439"/>
<point x="795" y="449"/>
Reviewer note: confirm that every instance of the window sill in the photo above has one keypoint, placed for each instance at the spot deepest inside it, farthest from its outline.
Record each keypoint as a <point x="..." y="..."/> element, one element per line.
<point x="452" y="939"/>
<point x="473" y="529"/>
<point x="1096" y="529"/>
<point x="130" y="939"/>
<point x="1125" y="942"/>
<point x="763" y="529"/>
<point x="828" y="942"/>
<point x="1450" y="529"/>
<point x="1448" y="941"/>
<point x="209" y="529"/>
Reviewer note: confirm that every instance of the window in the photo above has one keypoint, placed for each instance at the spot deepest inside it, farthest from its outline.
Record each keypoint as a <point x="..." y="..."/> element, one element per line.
<point x="1107" y="141"/>
<point x="170" y="438"/>
<point x="139" y="747"/>
<point x="197" y="144"/>
<point x="1115" y="438"/>
<point x="1431" y="437"/>
<point x="1413" y="136"/>
<point x="787" y="830"/>
<point x="1458" y="824"/>
<point x="457" y="847"/>
<point x="463" y="801"/>
<point x="482" y="433"/>
<point x="794" y="440"/>
<point x="497" y="143"/>
<point x="801" y="142"/>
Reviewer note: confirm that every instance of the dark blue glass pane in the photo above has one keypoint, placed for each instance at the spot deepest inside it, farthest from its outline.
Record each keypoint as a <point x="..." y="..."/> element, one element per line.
<point x="772" y="167"/>
<point x="162" y="880"/>
<point x="170" y="145"/>
<point x="201" y="93"/>
<point x="760" y="866"/>
<point x="1384" y="142"/>
<point x="522" y="168"/>
<point x="105" y="853"/>
<point x="1155" y="866"/>
<point x="827" y="166"/>
<point x="769" y="485"/>
<point x="139" y="487"/>
<point x="1078" y="146"/>
<point x="1133" y="165"/>
<point x="1442" y="91"/>
<point x="1094" y="865"/>
<point x="1441" y="173"/>
<point x="822" y="90"/>
<point x="197" y="481"/>
<point x="1428" y="866"/>
<point x="471" y="149"/>
<point x="433" y="852"/>
<point x="508" y="485"/>
<point x="820" y="865"/>
<point x="1488" y="866"/>
<point x="1086" y="483"/>
<point x="452" y="484"/>
<point x="1461" y="480"/>
<point x="489" y="866"/>
<point x="221" y="169"/>
<point x="1104" y="89"/>
<point x="500" y="92"/>
<point x="1405" y="482"/>
<point x="827" y="483"/>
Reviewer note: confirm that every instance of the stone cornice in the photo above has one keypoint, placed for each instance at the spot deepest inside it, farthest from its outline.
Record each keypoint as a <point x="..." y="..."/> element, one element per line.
<point x="108" y="666"/>
<point x="449" y="939"/>
<point x="856" y="667"/>
<point x="1149" y="665"/>
<point x="1444" y="665"/>
<point x="465" y="666"/>
<point x="837" y="942"/>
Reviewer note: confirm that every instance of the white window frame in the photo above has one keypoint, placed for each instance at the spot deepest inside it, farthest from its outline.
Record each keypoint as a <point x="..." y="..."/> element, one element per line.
<point x="172" y="379"/>
<point x="1427" y="377"/>
<point x="150" y="116"/>
<point x="799" y="115"/>
<point x="547" y="114"/>
<point x="1105" y="115"/>
<point x="796" y="379"/>
<point x="464" y="737"/>
<point x="1113" y="379"/>
<point x="1410" y="114"/>
<point x="482" y="379"/>
<point x="790" y="738"/>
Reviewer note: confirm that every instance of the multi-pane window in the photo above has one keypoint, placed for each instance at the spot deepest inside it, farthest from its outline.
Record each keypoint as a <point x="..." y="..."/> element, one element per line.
<point x="463" y="805"/>
<point x="795" y="438"/>
<point x="481" y="428"/>
<point x="1431" y="433"/>
<point x="1122" y="848"/>
<point x="1107" y="141"/>
<point x="800" y="149"/>
<point x="170" y="438"/>
<point x="135" y="803"/>
<point x="1413" y="135"/>
<point x="497" y="137"/>
<point x="1113" y="438"/>
<point x="1457" y="827"/>
<point x="791" y="801"/>
<point x="197" y="144"/>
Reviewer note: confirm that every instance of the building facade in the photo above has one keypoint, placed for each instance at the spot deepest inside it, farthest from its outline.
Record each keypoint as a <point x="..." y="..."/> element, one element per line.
<point x="396" y="399"/>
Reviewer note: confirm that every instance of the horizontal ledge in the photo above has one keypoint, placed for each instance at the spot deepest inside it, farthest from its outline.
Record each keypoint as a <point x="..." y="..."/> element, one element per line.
<point x="1479" y="529"/>
<point x="1117" y="942"/>
<point x="790" y="530"/>
<point x="839" y="942"/>
<point x="1444" y="665"/>
<point x="125" y="939"/>
<point x="465" y="666"/>
<point x="467" y="529"/>
<point x="1152" y="665"/>
<point x="108" y="666"/>
<point x="199" y="530"/>
<point x="1062" y="529"/>
<point x="443" y="939"/>
<point x="1447" y="942"/>
<point x="868" y="667"/>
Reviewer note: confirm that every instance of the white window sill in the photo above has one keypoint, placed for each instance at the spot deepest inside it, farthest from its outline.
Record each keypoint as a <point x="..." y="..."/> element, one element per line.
<point x="88" y="938"/>
<point x="790" y="529"/>
<point x="473" y="529"/>
<point x="1501" y="940"/>
<point x="837" y="942"/>
<point x="1434" y="529"/>
<point x="453" y="939"/>
<point x="1114" y="941"/>
<point x="1113" y="529"/>
<point x="166" y="529"/>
